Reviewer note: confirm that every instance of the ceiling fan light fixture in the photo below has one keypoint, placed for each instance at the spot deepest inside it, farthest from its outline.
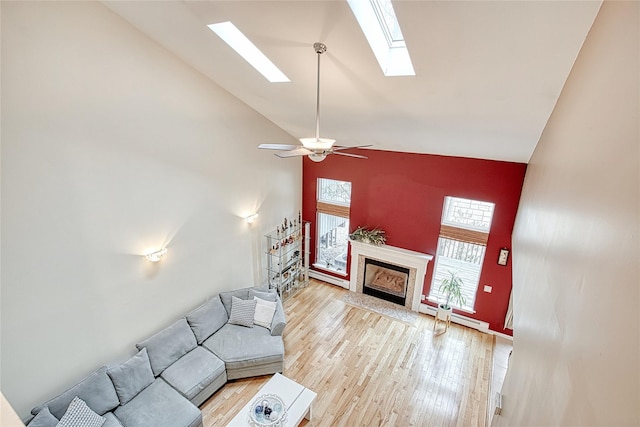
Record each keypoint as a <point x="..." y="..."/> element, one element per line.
<point x="317" y="157"/>
<point x="317" y="143"/>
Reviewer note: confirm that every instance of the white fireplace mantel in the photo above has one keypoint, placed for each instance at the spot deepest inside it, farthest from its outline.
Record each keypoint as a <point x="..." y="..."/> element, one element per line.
<point x="391" y="255"/>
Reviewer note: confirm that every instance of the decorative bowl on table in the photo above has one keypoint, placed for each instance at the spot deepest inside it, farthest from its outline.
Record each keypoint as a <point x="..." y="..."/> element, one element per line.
<point x="267" y="410"/>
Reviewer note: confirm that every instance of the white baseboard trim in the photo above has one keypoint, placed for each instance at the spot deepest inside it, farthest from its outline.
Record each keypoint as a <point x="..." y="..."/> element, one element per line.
<point x="457" y="318"/>
<point x="329" y="279"/>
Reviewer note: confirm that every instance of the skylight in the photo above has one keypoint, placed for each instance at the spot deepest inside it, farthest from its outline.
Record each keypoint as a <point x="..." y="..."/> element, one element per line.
<point x="380" y="26"/>
<point x="245" y="48"/>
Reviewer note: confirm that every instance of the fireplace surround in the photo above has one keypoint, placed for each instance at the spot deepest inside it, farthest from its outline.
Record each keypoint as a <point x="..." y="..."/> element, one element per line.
<point x="413" y="262"/>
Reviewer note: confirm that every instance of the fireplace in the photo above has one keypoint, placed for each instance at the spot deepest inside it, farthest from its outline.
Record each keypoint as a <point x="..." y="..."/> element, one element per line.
<point x="396" y="262"/>
<point x="385" y="281"/>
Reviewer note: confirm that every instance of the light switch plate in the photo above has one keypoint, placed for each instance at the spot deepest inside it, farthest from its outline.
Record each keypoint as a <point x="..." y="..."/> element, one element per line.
<point x="488" y="288"/>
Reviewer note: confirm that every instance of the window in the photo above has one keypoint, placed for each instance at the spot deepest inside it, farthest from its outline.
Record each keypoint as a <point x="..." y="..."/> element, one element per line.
<point x="332" y="229"/>
<point x="464" y="231"/>
<point x="381" y="28"/>
<point x="245" y="48"/>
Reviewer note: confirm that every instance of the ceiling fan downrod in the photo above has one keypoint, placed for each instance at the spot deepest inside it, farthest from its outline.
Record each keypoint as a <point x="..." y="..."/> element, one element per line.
<point x="320" y="48"/>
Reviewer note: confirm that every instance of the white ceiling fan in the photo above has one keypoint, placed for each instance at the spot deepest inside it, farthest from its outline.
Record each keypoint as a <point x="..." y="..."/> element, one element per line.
<point x="316" y="148"/>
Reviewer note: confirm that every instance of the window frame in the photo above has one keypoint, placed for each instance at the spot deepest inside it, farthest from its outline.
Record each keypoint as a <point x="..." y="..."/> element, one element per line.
<point x="334" y="208"/>
<point x="465" y="234"/>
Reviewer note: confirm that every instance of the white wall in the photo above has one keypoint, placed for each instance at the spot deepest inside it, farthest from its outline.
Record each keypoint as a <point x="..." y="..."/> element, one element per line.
<point x="576" y="336"/>
<point x="112" y="146"/>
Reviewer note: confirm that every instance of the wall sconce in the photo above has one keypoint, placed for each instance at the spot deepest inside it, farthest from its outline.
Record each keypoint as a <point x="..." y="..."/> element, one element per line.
<point x="157" y="255"/>
<point x="251" y="218"/>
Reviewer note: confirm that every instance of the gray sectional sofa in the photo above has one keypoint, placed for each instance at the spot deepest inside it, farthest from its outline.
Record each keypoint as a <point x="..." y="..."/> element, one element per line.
<point x="180" y="367"/>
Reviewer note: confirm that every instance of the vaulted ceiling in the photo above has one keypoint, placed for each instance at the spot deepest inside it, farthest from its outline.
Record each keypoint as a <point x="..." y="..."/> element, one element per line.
<point x="488" y="73"/>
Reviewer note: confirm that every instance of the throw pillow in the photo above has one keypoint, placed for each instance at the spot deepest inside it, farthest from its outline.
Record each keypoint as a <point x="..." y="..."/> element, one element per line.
<point x="80" y="415"/>
<point x="264" y="312"/>
<point x="242" y="312"/>
<point x="226" y="297"/>
<point x="131" y="377"/>
<point x="44" y="419"/>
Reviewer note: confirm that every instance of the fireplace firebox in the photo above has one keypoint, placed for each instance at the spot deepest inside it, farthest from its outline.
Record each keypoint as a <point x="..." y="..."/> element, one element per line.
<point x="385" y="281"/>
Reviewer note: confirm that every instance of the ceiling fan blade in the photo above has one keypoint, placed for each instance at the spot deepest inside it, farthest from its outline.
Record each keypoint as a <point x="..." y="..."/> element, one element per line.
<point x="284" y="147"/>
<point x="350" y="155"/>
<point x="293" y="153"/>
<point x="341" y="147"/>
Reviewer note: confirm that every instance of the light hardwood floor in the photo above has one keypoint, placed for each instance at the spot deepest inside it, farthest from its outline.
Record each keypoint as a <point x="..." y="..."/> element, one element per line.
<point x="370" y="370"/>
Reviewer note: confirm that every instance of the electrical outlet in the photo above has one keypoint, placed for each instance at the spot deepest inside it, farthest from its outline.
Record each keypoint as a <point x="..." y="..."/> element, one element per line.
<point x="423" y="297"/>
<point x="488" y="288"/>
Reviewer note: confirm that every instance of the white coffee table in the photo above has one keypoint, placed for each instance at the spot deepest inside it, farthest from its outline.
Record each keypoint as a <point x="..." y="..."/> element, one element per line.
<point x="297" y="399"/>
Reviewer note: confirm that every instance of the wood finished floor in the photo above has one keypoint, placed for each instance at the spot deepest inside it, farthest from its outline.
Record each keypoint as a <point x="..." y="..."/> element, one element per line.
<point x="370" y="370"/>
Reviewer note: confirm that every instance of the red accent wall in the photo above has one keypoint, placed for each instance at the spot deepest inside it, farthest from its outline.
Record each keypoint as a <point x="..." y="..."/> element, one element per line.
<point x="403" y="194"/>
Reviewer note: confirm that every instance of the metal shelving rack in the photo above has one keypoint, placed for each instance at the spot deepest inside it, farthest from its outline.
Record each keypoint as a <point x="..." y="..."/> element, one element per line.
<point x="288" y="257"/>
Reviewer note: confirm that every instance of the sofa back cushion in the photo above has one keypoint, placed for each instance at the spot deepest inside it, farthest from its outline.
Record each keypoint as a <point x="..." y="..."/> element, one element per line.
<point x="132" y="376"/>
<point x="96" y="390"/>
<point x="168" y="345"/>
<point x="207" y="319"/>
<point x="263" y="295"/>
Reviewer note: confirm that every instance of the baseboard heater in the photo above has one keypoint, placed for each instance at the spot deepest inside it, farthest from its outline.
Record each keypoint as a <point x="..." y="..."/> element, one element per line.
<point x="328" y="278"/>
<point x="457" y="318"/>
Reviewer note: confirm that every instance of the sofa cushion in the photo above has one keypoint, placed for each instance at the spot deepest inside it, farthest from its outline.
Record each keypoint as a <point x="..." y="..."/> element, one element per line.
<point x="241" y="347"/>
<point x="264" y="312"/>
<point x="80" y="415"/>
<point x="207" y="319"/>
<point x="242" y="312"/>
<point x="168" y="345"/>
<point x="159" y="405"/>
<point x="132" y="376"/>
<point x="225" y="297"/>
<point x="96" y="390"/>
<point x="44" y="419"/>
<point x="267" y="296"/>
<point x="194" y="372"/>
<point x="111" y="420"/>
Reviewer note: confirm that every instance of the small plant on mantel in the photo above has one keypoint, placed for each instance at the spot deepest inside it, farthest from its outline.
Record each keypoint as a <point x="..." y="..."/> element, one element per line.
<point x="451" y="287"/>
<point x="375" y="236"/>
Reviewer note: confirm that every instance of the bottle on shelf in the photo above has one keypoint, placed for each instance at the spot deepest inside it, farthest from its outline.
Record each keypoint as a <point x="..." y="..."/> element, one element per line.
<point x="287" y="258"/>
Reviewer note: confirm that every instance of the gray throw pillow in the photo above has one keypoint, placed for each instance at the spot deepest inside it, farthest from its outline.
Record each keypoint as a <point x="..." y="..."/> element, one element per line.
<point x="207" y="319"/>
<point x="44" y="419"/>
<point x="266" y="296"/>
<point x="80" y="415"/>
<point x="131" y="377"/>
<point x="169" y="345"/>
<point x="242" y="312"/>
<point x="225" y="297"/>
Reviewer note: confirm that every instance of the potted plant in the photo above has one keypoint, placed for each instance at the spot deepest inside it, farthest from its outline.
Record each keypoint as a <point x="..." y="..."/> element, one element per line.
<point x="375" y="236"/>
<point x="451" y="288"/>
